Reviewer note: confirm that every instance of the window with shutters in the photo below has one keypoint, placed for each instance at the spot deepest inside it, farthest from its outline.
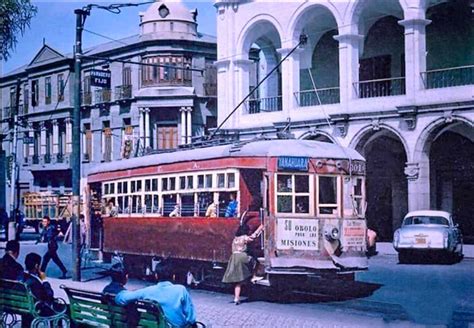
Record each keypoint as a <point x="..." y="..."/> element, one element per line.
<point x="60" y="87"/>
<point x="106" y="142"/>
<point x="167" y="137"/>
<point x="87" y="146"/>
<point x="173" y="70"/>
<point x="47" y="90"/>
<point x="34" y="93"/>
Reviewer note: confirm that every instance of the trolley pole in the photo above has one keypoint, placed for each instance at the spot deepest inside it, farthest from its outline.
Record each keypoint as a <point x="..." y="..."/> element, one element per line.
<point x="76" y="147"/>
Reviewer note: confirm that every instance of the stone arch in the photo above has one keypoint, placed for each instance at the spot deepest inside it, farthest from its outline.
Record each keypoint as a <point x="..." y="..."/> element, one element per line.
<point x="356" y="8"/>
<point x="445" y="151"/>
<point x="386" y="184"/>
<point x="254" y="29"/>
<point x="365" y="131"/>
<point x="258" y="46"/>
<point x="319" y="58"/>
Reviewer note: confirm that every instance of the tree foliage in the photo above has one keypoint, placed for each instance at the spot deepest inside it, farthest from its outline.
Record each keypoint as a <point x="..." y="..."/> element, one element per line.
<point x="15" y="17"/>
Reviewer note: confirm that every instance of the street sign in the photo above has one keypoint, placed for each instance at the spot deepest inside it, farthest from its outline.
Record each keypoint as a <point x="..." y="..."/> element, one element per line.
<point x="100" y="78"/>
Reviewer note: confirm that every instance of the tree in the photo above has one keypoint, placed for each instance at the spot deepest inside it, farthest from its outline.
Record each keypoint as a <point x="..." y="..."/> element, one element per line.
<point x="15" y="17"/>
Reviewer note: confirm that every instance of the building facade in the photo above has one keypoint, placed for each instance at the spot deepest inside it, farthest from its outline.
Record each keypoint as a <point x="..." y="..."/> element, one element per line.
<point x="160" y="104"/>
<point x="392" y="79"/>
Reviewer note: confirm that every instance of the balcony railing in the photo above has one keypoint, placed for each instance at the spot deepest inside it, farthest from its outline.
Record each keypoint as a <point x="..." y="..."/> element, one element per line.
<point x="86" y="98"/>
<point x="269" y="104"/>
<point x="59" y="158"/>
<point x="35" y="159"/>
<point x="47" y="158"/>
<point x="318" y="97"/>
<point x="448" y="77"/>
<point x="102" y="96"/>
<point x="123" y="92"/>
<point x="380" y="88"/>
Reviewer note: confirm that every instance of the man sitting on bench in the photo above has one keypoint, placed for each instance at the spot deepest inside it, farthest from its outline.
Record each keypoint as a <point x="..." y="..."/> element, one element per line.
<point x="174" y="299"/>
<point x="40" y="287"/>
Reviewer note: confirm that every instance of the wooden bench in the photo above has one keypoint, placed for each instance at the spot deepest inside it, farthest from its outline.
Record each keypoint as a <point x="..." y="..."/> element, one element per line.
<point x="16" y="299"/>
<point x="91" y="309"/>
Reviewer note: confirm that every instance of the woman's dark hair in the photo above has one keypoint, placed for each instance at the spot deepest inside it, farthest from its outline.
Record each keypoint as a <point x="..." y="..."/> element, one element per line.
<point x="242" y="230"/>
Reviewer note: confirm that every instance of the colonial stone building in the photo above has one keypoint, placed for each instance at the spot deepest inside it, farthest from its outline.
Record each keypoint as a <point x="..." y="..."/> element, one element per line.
<point x="146" y="107"/>
<point x="392" y="79"/>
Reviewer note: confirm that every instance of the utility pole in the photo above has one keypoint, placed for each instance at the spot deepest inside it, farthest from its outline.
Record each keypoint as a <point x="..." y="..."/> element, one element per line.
<point x="14" y="125"/>
<point x="81" y="15"/>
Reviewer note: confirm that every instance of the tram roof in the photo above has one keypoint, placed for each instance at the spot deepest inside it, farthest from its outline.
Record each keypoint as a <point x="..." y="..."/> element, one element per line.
<point x="260" y="148"/>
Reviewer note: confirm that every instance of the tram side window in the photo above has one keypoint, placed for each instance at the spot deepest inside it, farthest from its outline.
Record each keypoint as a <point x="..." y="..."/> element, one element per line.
<point x="230" y="180"/>
<point x="220" y="180"/>
<point x="204" y="200"/>
<point x="169" y="204"/>
<point x="327" y="195"/>
<point x="151" y="203"/>
<point x="187" y="205"/>
<point x="154" y="185"/>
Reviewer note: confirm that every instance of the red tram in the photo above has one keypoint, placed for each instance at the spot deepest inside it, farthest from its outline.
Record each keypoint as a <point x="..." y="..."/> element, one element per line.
<point x="309" y="195"/>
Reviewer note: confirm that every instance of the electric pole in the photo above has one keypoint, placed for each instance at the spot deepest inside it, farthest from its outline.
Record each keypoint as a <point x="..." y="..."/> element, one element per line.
<point x="13" y="177"/>
<point x="76" y="147"/>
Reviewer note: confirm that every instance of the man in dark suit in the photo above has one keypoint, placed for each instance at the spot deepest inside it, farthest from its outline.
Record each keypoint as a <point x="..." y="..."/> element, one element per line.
<point x="36" y="279"/>
<point x="9" y="267"/>
<point x="49" y="235"/>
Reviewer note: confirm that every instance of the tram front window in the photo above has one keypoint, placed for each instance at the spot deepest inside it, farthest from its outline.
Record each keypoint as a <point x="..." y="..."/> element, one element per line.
<point x="327" y="195"/>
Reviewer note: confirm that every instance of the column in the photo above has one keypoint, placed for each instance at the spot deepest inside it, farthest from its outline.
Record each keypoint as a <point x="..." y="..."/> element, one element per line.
<point x="55" y="137"/>
<point x="224" y="91"/>
<point x="418" y="185"/>
<point x="147" y="127"/>
<point x="68" y="135"/>
<point x="183" y="125"/>
<point x="349" y="47"/>
<point x="42" y="139"/>
<point x="415" y="50"/>
<point x="141" y="127"/>
<point x="189" y="125"/>
<point x="240" y="91"/>
<point x="290" y="72"/>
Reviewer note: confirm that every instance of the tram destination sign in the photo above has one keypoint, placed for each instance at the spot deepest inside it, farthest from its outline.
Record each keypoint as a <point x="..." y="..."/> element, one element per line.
<point x="100" y="78"/>
<point x="293" y="163"/>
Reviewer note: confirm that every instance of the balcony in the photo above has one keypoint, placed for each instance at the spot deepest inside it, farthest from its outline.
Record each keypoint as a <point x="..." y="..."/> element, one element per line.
<point x="86" y="98"/>
<point x="448" y="77"/>
<point x="380" y="88"/>
<point x="102" y="96"/>
<point x="318" y="97"/>
<point x="123" y="92"/>
<point x="269" y="104"/>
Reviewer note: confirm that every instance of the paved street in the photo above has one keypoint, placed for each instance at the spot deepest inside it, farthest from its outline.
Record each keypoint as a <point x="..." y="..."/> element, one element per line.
<point x="388" y="295"/>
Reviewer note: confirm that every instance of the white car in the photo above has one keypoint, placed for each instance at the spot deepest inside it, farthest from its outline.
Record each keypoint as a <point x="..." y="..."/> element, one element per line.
<point x="426" y="232"/>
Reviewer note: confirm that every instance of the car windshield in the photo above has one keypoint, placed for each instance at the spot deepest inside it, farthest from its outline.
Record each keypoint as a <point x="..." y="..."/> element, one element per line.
<point x="425" y="220"/>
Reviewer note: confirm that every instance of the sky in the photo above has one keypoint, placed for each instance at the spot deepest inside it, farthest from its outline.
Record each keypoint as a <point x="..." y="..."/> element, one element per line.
<point x="55" y="23"/>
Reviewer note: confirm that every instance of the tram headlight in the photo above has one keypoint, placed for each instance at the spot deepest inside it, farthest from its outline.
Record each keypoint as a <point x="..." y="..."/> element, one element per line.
<point x="331" y="233"/>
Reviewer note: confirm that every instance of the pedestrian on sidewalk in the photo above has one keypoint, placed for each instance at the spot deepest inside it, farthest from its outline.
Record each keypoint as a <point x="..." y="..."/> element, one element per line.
<point x="173" y="298"/>
<point x="9" y="267"/>
<point x="49" y="235"/>
<point x="238" y="269"/>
